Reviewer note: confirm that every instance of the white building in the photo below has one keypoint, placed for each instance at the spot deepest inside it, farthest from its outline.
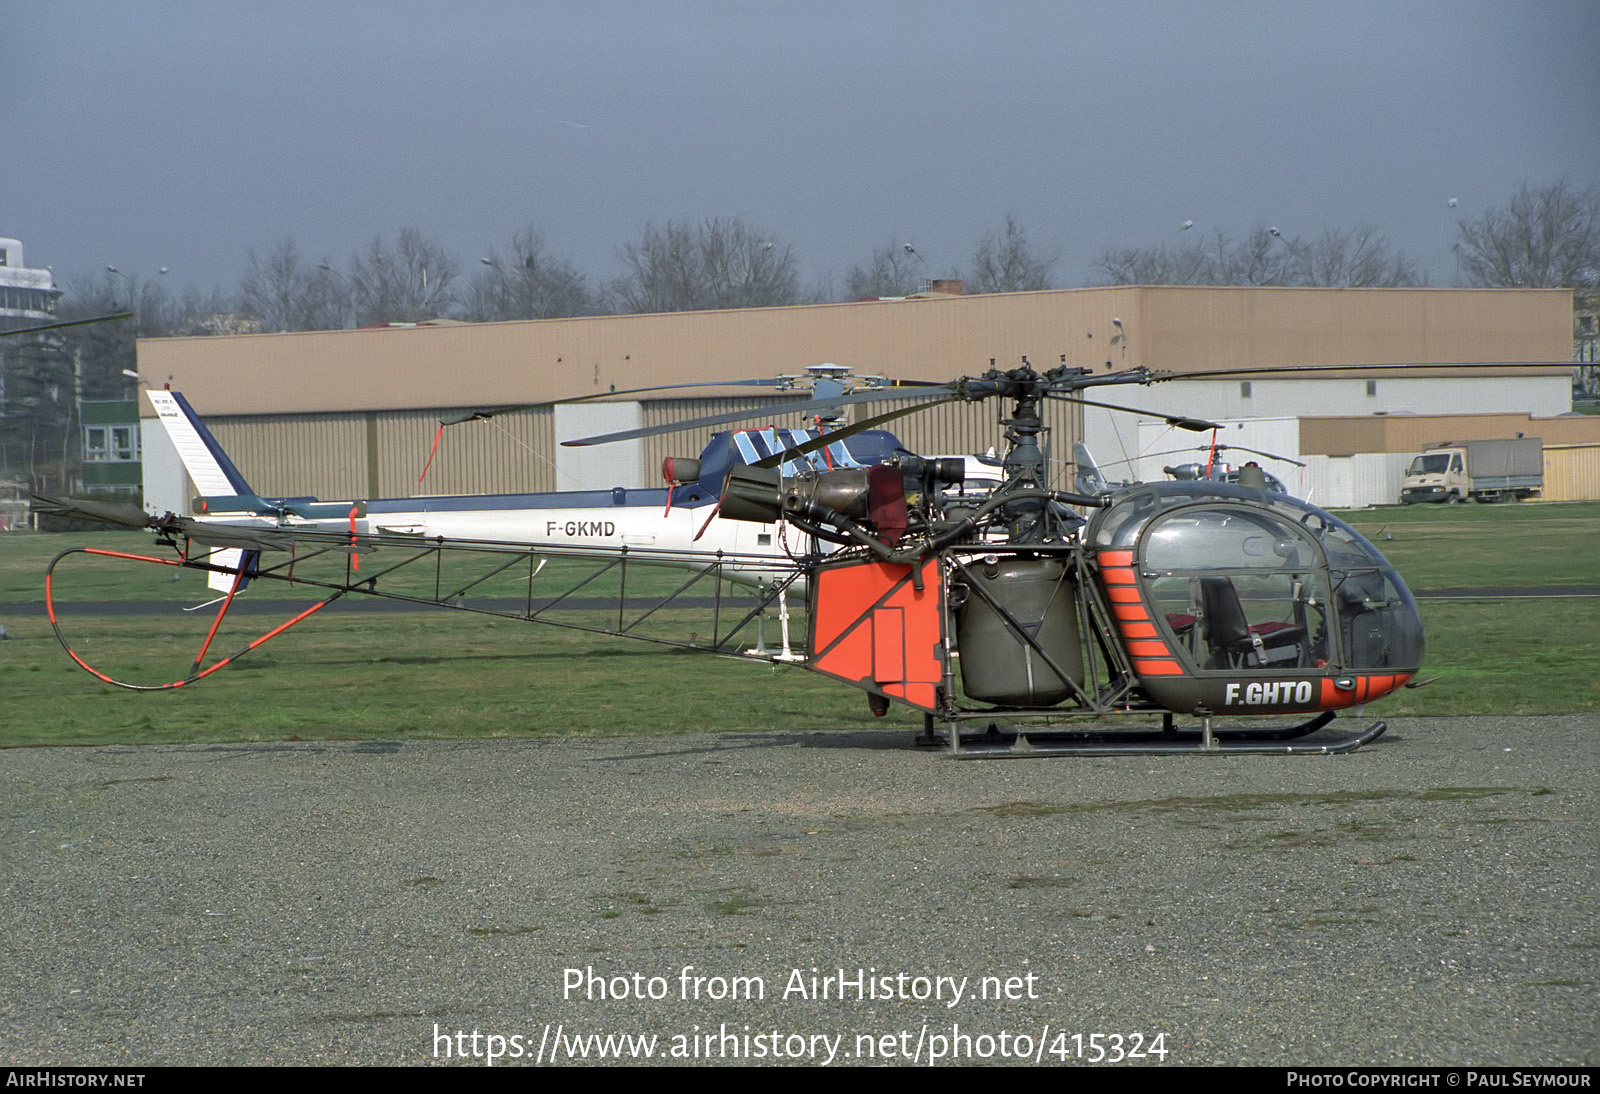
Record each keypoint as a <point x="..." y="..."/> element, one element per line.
<point x="27" y="297"/>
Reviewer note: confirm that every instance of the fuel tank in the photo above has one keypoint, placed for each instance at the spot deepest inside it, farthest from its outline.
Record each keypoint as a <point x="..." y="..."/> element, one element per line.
<point x="998" y="664"/>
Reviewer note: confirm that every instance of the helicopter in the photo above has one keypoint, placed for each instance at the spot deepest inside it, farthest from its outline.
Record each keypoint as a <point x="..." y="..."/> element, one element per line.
<point x="1193" y="597"/>
<point x="679" y="515"/>
<point x="1250" y="473"/>
<point x="1004" y="615"/>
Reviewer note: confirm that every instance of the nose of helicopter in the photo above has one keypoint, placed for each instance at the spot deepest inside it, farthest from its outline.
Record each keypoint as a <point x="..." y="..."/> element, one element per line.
<point x="1225" y="602"/>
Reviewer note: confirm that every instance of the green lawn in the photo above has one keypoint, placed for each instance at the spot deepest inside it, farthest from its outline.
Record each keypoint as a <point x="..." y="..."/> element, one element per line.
<point x="1472" y="546"/>
<point x="438" y="674"/>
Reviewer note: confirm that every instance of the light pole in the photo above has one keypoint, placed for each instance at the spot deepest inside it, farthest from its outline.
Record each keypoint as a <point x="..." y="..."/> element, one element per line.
<point x="102" y="378"/>
<point x="1438" y="256"/>
<point x="496" y="303"/>
<point x="133" y="295"/>
<point x="339" y="304"/>
<point x="1294" y="255"/>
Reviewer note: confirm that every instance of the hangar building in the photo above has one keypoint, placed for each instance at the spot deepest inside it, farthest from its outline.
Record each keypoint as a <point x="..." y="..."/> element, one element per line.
<point x="353" y="413"/>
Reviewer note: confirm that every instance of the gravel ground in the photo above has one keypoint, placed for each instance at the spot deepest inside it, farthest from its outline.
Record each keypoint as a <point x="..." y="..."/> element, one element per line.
<point x="1428" y="900"/>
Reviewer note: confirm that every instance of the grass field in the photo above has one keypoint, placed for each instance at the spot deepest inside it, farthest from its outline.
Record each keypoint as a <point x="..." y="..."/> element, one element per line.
<point x="1472" y="546"/>
<point x="438" y="674"/>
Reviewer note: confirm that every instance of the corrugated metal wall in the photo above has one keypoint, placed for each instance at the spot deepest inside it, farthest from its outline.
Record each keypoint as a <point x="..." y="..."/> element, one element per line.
<point x="337" y="456"/>
<point x="510" y="453"/>
<point x="1378" y="477"/>
<point x="1572" y="472"/>
<point x="297" y="454"/>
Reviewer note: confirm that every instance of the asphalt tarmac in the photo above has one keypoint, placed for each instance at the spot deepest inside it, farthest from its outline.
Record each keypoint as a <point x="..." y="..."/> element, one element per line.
<point x="1429" y="900"/>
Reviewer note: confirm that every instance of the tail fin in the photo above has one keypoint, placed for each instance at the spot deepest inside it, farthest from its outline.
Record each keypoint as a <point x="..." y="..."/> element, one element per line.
<point x="1089" y="480"/>
<point x="208" y="465"/>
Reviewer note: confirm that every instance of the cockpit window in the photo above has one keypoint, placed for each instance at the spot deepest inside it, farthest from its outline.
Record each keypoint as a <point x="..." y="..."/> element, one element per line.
<point x="1244" y="585"/>
<point x="1238" y="588"/>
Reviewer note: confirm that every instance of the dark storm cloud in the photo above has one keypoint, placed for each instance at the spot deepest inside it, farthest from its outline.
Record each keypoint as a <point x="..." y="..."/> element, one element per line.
<point x="185" y="134"/>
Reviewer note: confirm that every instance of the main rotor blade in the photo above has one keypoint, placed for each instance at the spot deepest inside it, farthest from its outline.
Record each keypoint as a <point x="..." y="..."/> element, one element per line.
<point x="1289" y="370"/>
<point x="780" y="382"/>
<point x="817" y="443"/>
<point x="1258" y="452"/>
<point x="490" y="412"/>
<point x="1193" y="425"/>
<point x="67" y="323"/>
<point x="233" y="535"/>
<point x="875" y="395"/>
<point x="1202" y="448"/>
<point x="107" y="512"/>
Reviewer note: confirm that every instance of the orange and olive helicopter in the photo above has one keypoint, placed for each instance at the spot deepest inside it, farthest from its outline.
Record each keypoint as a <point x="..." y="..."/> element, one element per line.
<point x="997" y="608"/>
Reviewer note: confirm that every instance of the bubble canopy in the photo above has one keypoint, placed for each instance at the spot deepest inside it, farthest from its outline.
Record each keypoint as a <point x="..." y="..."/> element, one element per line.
<point x="1244" y="580"/>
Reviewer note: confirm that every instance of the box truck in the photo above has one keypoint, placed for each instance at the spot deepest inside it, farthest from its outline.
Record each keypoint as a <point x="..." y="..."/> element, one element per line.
<point x="1505" y="470"/>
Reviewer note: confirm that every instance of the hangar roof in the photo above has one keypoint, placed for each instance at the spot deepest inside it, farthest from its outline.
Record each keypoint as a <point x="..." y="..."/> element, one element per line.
<point x="1176" y="328"/>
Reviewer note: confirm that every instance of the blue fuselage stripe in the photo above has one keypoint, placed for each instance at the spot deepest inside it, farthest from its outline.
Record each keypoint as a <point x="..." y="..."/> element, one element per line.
<point x="684" y="497"/>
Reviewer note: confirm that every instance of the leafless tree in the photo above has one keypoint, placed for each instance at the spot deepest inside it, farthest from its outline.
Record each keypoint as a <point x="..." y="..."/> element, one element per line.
<point x="1004" y="262"/>
<point x="1360" y="257"/>
<point x="1261" y="258"/>
<point x="1264" y="257"/>
<point x="895" y="270"/>
<point x="1353" y="258"/>
<point x="1543" y="238"/>
<point x="528" y="283"/>
<point x="284" y="292"/>
<point x="717" y="263"/>
<point x="198" y="314"/>
<point x="1161" y="265"/>
<point x="407" y="281"/>
<point x="98" y="352"/>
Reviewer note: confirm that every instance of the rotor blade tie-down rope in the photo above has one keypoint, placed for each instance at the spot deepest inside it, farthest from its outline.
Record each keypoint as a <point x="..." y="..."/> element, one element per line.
<point x="438" y="433"/>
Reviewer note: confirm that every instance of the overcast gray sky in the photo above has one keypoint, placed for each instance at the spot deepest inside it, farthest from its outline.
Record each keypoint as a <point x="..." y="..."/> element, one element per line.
<point x="185" y="133"/>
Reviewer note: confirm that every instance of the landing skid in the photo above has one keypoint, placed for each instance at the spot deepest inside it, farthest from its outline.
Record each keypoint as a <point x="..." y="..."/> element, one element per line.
<point x="1168" y="741"/>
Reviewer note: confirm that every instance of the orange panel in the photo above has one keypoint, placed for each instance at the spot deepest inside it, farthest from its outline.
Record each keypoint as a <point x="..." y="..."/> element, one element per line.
<point x="1126" y="612"/>
<point x="1396" y="682"/>
<point x="1157" y="668"/>
<point x="1116" y="558"/>
<point x="875" y="630"/>
<point x="916" y="694"/>
<point x="1148" y="649"/>
<point x="1333" y="697"/>
<point x="851" y="657"/>
<point x="888" y="645"/>
<point x="1139" y="630"/>
<point x="1122" y="594"/>
<point x="1368" y="687"/>
<point x="1121" y="575"/>
<point x="844" y="592"/>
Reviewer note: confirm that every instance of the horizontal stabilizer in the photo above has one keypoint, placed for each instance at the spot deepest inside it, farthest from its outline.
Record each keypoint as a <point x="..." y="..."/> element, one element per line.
<point x="308" y="508"/>
<point x="232" y="503"/>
